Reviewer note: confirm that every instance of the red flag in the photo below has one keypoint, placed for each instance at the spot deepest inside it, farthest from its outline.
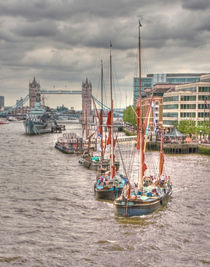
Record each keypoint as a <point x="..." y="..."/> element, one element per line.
<point x="138" y="125"/>
<point x="144" y="166"/>
<point x="161" y="163"/>
<point x="109" y="119"/>
<point x="100" y="122"/>
<point x="109" y="123"/>
<point x="109" y="137"/>
<point x="161" y="157"/>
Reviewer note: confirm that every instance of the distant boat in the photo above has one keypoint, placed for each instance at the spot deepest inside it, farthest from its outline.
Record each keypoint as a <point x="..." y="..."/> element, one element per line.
<point x="3" y="121"/>
<point x="39" y="120"/>
<point x="70" y="143"/>
<point x="12" y="119"/>
<point x="97" y="161"/>
<point x="109" y="184"/>
<point x="150" y="194"/>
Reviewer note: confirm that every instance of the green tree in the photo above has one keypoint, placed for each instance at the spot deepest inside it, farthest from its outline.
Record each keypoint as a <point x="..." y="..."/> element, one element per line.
<point x="187" y="127"/>
<point x="204" y="127"/>
<point x="129" y="115"/>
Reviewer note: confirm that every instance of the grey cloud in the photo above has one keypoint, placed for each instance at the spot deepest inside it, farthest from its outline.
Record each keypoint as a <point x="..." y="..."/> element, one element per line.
<point x="36" y="29"/>
<point x="62" y="10"/>
<point x="74" y="29"/>
<point x="196" y="4"/>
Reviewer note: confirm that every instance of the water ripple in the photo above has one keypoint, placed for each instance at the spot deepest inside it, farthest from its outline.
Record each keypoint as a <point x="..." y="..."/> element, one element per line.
<point x="49" y="216"/>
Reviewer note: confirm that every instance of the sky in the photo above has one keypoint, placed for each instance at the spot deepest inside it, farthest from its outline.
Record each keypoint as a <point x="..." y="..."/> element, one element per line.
<point x="62" y="42"/>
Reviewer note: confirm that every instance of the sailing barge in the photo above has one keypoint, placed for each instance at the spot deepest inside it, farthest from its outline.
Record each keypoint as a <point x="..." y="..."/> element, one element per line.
<point x="147" y="198"/>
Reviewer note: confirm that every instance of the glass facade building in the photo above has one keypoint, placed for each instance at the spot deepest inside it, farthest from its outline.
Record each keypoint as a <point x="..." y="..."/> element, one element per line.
<point x="187" y="102"/>
<point x="174" y="78"/>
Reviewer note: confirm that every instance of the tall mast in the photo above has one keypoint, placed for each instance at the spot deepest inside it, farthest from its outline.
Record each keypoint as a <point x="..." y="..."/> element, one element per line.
<point x="101" y="115"/>
<point x="140" y="184"/>
<point x="112" y="141"/>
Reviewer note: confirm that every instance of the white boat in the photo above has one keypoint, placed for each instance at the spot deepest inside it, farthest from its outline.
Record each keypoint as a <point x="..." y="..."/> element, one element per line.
<point x="3" y="121"/>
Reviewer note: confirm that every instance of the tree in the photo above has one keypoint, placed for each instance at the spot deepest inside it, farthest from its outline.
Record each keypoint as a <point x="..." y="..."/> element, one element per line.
<point x="187" y="127"/>
<point x="129" y="115"/>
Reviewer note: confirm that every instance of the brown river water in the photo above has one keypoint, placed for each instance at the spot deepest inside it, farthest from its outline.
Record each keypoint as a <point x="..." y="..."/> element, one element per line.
<point x="49" y="216"/>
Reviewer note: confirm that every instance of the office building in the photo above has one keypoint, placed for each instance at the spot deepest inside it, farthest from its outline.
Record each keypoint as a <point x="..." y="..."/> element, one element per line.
<point x="150" y="80"/>
<point x="187" y="101"/>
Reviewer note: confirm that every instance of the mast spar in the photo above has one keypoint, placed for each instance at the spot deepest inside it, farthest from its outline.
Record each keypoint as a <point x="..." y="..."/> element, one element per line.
<point x="101" y="115"/>
<point x="112" y="141"/>
<point x="139" y="107"/>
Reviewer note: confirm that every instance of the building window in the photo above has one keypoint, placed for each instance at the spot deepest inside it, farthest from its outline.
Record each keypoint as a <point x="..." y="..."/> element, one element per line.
<point x="188" y="106"/>
<point x="204" y="89"/>
<point x="204" y="106"/>
<point x="172" y="106"/>
<point x="204" y="97"/>
<point x="188" y="98"/>
<point x="182" y="80"/>
<point x="203" y="114"/>
<point x="171" y="98"/>
<point x="170" y="114"/>
<point x="187" y="114"/>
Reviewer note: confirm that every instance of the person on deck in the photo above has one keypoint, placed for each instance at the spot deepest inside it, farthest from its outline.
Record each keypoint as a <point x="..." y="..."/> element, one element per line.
<point x="162" y="180"/>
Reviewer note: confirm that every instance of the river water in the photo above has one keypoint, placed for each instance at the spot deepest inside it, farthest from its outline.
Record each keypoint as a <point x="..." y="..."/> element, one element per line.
<point x="49" y="217"/>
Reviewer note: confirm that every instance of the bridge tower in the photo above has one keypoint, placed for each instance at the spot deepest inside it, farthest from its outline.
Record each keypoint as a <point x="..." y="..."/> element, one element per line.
<point x="34" y="93"/>
<point x="86" y="100"/>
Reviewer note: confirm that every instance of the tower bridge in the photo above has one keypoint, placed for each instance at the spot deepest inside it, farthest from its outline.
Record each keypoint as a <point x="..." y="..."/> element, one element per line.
<point x="60" y="92"/>
<point x="35" y="93"/>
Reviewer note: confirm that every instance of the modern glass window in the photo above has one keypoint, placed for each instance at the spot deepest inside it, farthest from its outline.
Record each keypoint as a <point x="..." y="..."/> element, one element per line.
<point x="187" y="114"/>
<point x="192" y="89"/>
<point x="204" y="97"/>
<point x="170" y="114"/>
<point x="188" y="106"/>
<point x="204" y="106"/>
<point x="204" y="89"/>
<point x="171" y="98"/>
<point x="203" y="114"/>
<point x="188" y="98"/>
<point x="182" y="80"/>
<point x="172" y="106"/>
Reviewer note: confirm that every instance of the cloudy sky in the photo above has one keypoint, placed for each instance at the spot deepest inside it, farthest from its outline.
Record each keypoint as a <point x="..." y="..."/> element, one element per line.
<point x="61" y="42"/>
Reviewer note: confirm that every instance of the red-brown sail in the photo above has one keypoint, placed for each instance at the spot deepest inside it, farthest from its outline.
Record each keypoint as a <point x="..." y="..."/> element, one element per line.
<point x="109" y="123"/>
<point x="161" y="163"/>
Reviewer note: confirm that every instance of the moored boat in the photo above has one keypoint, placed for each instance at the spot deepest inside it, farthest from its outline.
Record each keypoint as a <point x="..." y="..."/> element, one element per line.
<point x="107" y="188"/>
<point x="70" y="143"/>
<point x="3" y="121"/>
<point x="146" y="197"/>
<point x="109" y="185"/>
<point x="150" y="200"/>
<point x="96" y="162"/>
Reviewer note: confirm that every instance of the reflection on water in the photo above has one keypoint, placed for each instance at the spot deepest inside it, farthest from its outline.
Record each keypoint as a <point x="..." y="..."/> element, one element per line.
<point x="49" y="216"/>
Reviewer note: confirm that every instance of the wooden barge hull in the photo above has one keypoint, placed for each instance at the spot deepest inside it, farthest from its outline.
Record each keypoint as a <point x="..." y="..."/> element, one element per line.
<point x="108" y="194"/>
<point x="98" y="165"/>
<point x="132" y="208"/>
